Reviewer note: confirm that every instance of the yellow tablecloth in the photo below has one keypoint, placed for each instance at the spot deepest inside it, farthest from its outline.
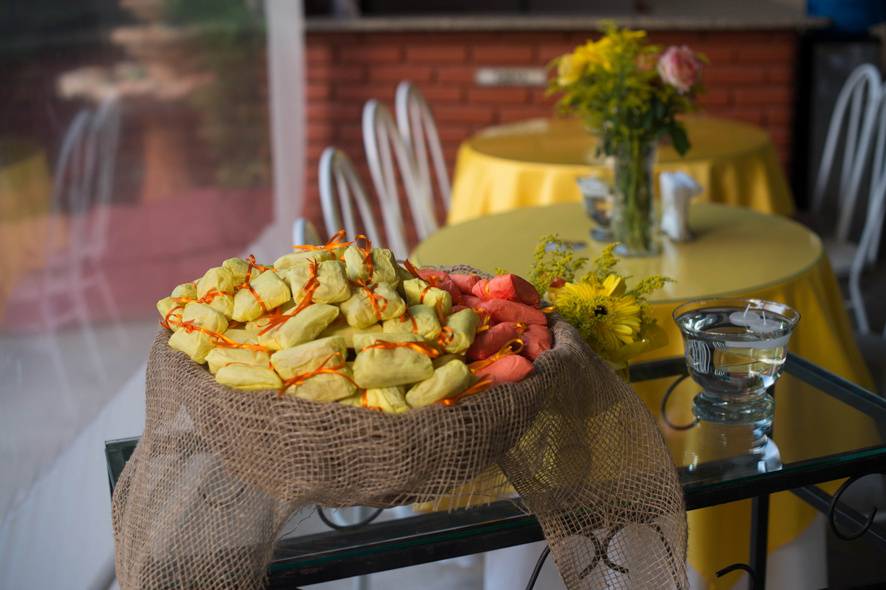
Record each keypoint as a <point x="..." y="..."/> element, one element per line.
<point x="737" y="252"/>
<point x="536" y="163"/>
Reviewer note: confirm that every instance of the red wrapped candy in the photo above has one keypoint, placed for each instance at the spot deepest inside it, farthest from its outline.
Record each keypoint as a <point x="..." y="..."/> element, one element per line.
<point x="441" y="280"/>
<point x="471" y="301"/>
<point x="510" y="287"/>
<point x="503" y="310"/>
<point x="536" y="340"/>
<point x="464" y="282"/>
<point x="508" y="369"/>
<point x="492" y="340"/>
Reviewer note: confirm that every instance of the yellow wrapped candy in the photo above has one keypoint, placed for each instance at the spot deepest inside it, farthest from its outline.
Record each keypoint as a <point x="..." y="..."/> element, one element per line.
<point x="171" y="311"/>
<point x="383" y="265"/>
<point x="418" y="292"/>
<point x="340" y="327"/>
<point x="299" y="328"/>
<point x="185" y="291"/>
<point x="216" y="287"/>
<point x="193" y="343"/>
<point x="205" y="316"/>
<point x="354" y="400"/>
<point x="365" y="339"/>
<point x="242" y="335"/>
<point x="303" y="358"/>
<point x="418" y="319"/>
<point x="325" y="281"/>
<point x="462" y="328"/>
<point x="247" y="377"/>
<point x="391" y="400"/>
<point x="289" y="260"/>
<point x="271" y="291"/>
<point x="447" y="381"/>
<point x="331" y="382"/>
<point x="238" y="268"/>
<point x="221" y="356"/>
<point x="390" y="360"/>
<point x="369" y="306"/>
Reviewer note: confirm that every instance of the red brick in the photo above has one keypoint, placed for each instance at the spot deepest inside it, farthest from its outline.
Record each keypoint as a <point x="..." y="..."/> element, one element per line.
<point x="335" y="73"/>
<point x="716" y="54"/>
<point x="363" y="92"/>
<point x="547" y="52"/>
<point x="510" y="114"/>
<point x="763" y="95"/>
<point x="454" y="133"/>
<point x="448" y="53"/>
<point x="781" y="74"/>
<point x="333" y="111"/>
<point x="779" y="115"/>
<point x="503" y="54"/>
<point x="715" y="97"/>
<point x="766" y="52"/>
<point x="370" y="53"/>
<point x="318" y="92"/>
<point x="734" y="74"/>
<point x="397" y="72"/>
<point x="440" y="94"/>
<point x="512" y="95"/>
<point x="455" y="73"/>
<point x="446" y="114"/>
<point x="316" y="53"/>
<point x="318" y="132"/>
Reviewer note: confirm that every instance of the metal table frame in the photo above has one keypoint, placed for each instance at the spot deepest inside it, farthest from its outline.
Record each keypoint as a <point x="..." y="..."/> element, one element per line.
<point x="435" y="536"/>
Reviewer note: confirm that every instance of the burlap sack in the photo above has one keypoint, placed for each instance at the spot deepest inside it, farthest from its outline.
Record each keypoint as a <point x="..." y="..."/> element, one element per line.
<point x="218" y="471"/>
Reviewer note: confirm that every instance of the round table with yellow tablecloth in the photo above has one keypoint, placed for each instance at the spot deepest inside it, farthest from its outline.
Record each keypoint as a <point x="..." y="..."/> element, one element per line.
<point x="537" y="162"/>
<point x="736" y="252"/>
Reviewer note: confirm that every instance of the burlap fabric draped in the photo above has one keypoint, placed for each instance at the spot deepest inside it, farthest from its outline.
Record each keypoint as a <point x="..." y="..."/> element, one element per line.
<point x="218" y="471"/>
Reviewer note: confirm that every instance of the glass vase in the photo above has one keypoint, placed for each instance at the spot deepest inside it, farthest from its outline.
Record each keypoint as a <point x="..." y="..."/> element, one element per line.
<point x="634" y="220"/>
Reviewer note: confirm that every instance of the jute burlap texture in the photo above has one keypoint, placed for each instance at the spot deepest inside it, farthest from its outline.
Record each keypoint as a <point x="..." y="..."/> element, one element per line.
<point x="218" y="471"/>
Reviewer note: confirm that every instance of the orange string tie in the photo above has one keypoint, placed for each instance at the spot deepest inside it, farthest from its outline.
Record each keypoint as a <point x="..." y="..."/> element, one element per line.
<point x="410" y="268"/>
<point x="367" y="254"/>
<point x="220" y="339"/>
<point x="521" y="327"/>
<point x="364" y="402"/>
<point x="311" y="285"/>
<point x="481" y="385"/>
<point x="247" y="284"/>
<point x="334" y="243"/>
<point x="419" y="347"/>
<point x="407" y="316"/>
<point x="321" y="370"/>
<point x="510" y="348"/>
<point x="374" y="299"/>
<point x="548" y="309"/>
<point x="445" y="336"/>
<point x="165" y="321"/>
<point x="485" y="320"/>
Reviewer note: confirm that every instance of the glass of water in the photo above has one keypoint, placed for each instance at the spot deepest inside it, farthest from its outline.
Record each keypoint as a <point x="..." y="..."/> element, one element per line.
<point x="735" y="350"/>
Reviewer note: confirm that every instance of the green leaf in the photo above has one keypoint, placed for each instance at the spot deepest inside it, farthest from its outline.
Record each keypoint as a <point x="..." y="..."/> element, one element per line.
<point x="679" y="139"/>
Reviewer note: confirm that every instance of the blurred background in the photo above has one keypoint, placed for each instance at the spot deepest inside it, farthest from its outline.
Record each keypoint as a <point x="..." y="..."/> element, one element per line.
<point x="143" y="141"/>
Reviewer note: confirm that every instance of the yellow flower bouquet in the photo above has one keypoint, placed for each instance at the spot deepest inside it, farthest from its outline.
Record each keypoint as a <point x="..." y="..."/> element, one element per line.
<point x="614" y="320"/>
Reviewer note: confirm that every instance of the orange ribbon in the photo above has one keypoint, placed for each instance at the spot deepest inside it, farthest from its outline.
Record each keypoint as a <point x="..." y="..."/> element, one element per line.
<point x="485" y="320"/>
<point x="220" y="339"/>
<point x="182" y="301"/>
<point x="321" y="370"/>
<point x="510" y="348"/>
<point x="334" y="243"/>
<point x="250" y="260"/>
<point x="477" y="387"/>
<point x="445" y="336"/>
<point x="548" y="309"/>
<point x="419" y="347"/>
<point x="364" y="402"/>
<point x="407" y="316"/>
<point x="165" y="321"/>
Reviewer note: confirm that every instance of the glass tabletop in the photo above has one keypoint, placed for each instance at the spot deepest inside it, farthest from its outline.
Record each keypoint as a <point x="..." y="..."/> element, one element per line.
<point x="809" y="449"/>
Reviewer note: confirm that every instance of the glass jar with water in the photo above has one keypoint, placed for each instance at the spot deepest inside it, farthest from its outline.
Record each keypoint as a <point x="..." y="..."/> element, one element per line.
<point x="735" y="350"/>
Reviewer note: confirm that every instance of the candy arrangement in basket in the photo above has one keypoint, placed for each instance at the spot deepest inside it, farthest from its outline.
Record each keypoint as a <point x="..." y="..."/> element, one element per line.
<point x="345" y="322"/>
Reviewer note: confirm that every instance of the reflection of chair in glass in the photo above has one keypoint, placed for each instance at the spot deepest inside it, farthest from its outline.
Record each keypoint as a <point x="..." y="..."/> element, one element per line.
<point x="419" y="131"/>
<point x="855" y="112"/>
<point x="383" y="143"/>
<point x="304" y="232"/>
<point x="340" y="190"/>
<point x="83" y="180"/>
<point x="866" y="250"/>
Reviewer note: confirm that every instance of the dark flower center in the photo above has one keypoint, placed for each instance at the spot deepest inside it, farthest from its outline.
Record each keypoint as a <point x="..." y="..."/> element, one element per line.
<point x="600" y="310"/>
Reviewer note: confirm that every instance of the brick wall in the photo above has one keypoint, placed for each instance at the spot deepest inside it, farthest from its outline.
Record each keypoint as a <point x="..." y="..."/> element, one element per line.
<point x="750" y="77"/>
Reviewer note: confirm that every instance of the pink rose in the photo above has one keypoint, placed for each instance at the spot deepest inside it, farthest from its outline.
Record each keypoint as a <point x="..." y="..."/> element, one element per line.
<point x="679" y="67"/>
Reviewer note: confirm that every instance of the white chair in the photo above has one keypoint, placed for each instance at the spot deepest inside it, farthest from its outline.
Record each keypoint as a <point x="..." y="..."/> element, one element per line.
<point x="304" y="232"/>
<point x="82" y="185"/>
<point x="340" y="190"/>
<point x="865" y="251"/>
<point x="419" y="131"/>
<point x="855" y="112"/>
<point x="383" y="144"/>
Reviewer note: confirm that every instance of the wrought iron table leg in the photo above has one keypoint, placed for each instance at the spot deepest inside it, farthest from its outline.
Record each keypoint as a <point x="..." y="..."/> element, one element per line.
<point x="759" y="538"/>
